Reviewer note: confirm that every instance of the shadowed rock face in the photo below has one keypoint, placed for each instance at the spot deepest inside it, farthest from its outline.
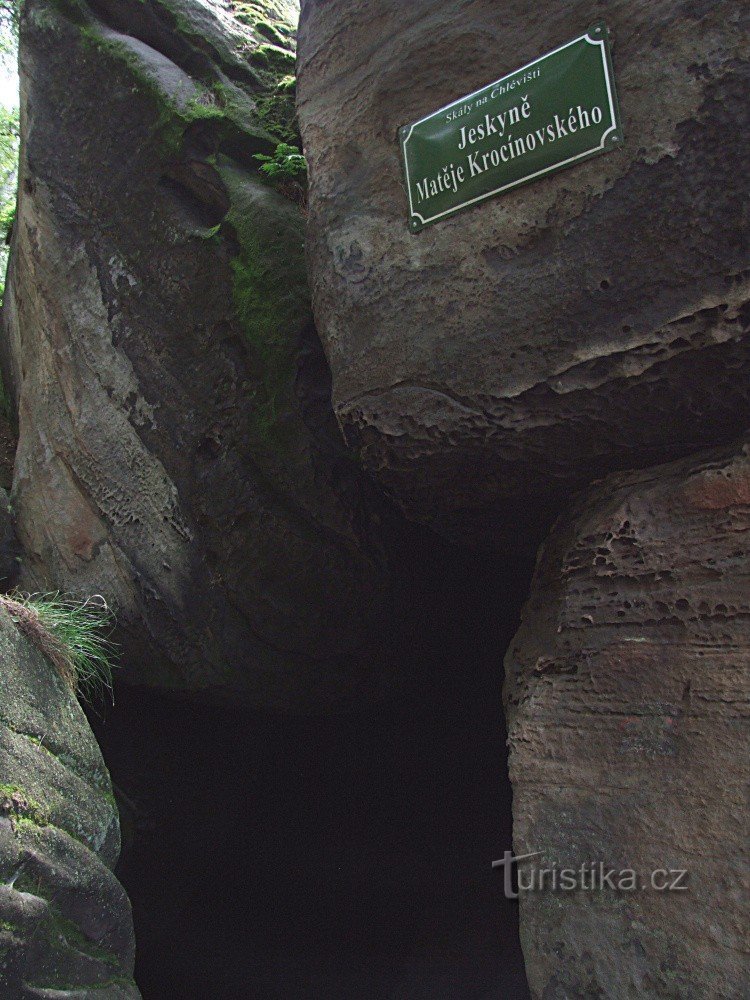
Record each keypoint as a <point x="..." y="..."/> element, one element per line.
<point x="177" y="451"/>
<point x="65" y="920"/>
<point x="594" y="320"/>
<point x="627" y="691"/>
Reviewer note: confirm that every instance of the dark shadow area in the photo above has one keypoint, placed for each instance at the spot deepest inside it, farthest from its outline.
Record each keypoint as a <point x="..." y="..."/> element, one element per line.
<point x="334" y="857"/>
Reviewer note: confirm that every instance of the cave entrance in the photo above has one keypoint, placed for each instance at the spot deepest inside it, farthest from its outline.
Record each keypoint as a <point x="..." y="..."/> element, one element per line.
<point x="341" y="857"/>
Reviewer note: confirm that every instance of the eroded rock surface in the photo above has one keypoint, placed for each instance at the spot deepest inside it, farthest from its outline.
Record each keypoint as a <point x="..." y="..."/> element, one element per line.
<point x="65" y="923"/>
<point x="628" y="695"/>
<point x="177" y="451"/>
<point x="594" y="320"/>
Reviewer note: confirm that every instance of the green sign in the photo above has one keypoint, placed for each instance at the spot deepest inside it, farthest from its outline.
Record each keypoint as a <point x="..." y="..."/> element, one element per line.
<point x="553" y="113"/>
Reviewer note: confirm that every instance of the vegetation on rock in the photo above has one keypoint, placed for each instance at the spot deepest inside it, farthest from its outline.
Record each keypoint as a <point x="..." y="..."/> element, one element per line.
<point x="20" y="807"/>
<point x="65" y="922"/>
<point x="72" y="634"/>
<point x="286" y="169"/>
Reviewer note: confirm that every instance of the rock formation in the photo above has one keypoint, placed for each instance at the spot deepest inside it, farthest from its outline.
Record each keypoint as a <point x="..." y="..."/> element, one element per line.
<point x="177" y="452"/>
<point x="65" y="924"/>
<point x="592" y="321"/>
<point x="627" y="691"/>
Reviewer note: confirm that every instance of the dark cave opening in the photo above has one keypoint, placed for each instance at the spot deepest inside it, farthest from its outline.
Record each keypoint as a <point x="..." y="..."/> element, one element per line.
<point x="344" y="857"/>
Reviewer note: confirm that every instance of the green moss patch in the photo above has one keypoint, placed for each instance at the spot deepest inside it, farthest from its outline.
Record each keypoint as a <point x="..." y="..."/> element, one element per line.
<point x="278" y="114"/>
<point x="270" y="294"/>
<point x="271" y="33"/>
<point x="274" y="19"/>
<point x="21" y="807"/>
<point x="273" y="57"/>
<point x="258" y="114"/>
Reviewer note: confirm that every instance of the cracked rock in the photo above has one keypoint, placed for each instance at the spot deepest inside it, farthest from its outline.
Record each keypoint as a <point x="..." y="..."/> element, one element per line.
<point x="594" y="320"/>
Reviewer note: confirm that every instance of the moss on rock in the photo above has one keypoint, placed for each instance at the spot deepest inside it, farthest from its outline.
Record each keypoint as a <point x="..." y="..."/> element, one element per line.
<point x="64" y="919"/>
<point x="260" y="113"/>
<point x="270" y="293"/>
<point x="21" y="807"/>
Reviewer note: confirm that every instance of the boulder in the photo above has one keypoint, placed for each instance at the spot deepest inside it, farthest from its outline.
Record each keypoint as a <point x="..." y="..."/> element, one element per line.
<point x="627" y="693"/>
<point x="177" y="451"/>
<point x="65" y="921"/>
<point x="591" y="321"/>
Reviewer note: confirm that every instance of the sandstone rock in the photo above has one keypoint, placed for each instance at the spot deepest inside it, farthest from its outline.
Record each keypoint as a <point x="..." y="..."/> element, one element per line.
<point x="627" y="691"/>
<point x="65" y="922"/>
<point x="594" y="320"/>
<point x="177" y="451"/>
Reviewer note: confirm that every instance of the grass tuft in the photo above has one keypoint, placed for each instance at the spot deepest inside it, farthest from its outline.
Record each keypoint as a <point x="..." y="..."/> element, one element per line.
<point x="72" y="634"/>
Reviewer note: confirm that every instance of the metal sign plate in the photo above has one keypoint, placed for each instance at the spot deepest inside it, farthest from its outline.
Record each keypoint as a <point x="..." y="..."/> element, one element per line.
<point x="553" y="113"/>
